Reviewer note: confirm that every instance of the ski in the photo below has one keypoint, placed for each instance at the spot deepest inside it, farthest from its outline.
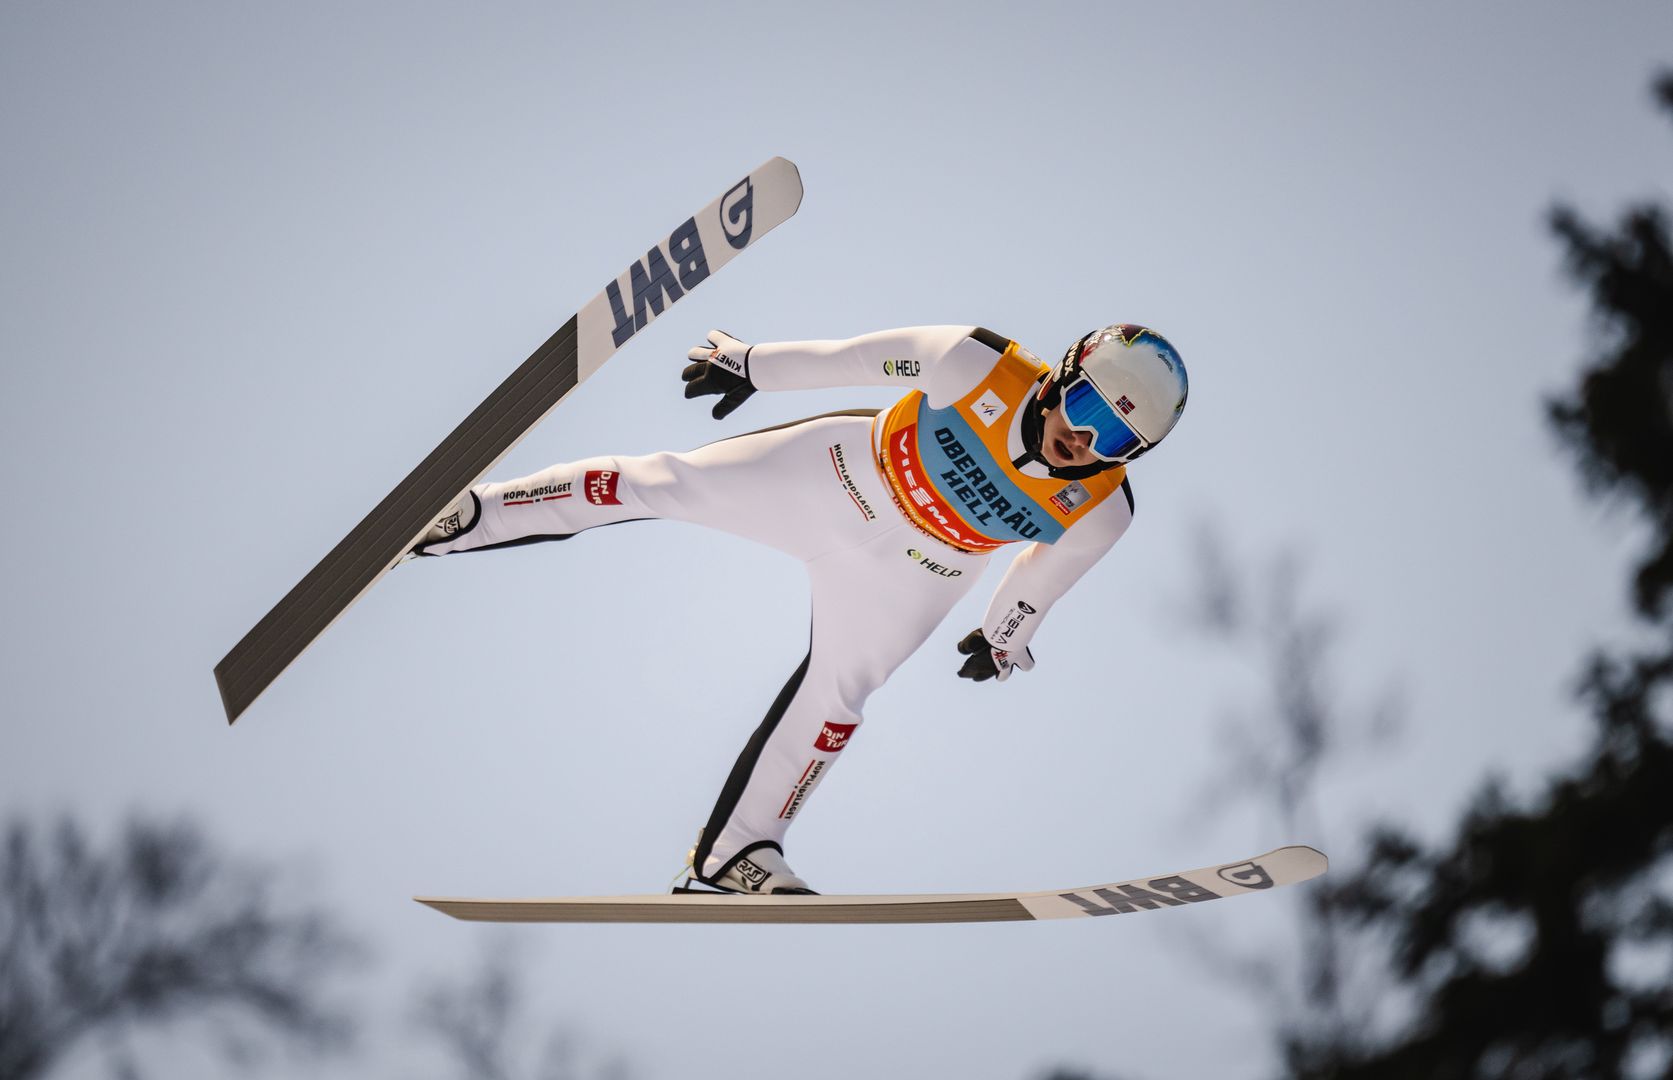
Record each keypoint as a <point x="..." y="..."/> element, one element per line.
<point x="692" y="251"/>
<point x="1284" y="866"/>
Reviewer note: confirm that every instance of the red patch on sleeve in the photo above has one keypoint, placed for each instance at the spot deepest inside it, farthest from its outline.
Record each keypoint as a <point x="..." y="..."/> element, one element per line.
<point x="601" y="487"/>
<point x="833" y="737"/>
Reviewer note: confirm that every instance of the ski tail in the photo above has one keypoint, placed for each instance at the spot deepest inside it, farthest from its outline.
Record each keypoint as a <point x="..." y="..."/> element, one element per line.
<point x="691" y="252"/>
<point x="388" y="532"/>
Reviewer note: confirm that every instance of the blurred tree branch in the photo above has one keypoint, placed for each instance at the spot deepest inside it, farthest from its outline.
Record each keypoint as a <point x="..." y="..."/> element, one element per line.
<point x="1282" y="737"/>
<point x="156" y="927"/>
<point x="1279" y="741"/>
<point x="480" y="1021"/>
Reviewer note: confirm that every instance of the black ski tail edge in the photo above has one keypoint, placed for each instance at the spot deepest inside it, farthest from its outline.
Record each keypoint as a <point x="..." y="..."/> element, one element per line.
<point x="366" y="552"/>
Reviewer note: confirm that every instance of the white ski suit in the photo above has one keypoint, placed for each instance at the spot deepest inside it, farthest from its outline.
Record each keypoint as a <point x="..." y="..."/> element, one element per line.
<point x="895" y="515"/>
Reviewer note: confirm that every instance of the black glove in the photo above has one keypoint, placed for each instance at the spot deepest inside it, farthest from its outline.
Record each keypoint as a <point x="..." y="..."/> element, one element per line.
<point x="720" y="367"/>
<point x="987" y="662"/>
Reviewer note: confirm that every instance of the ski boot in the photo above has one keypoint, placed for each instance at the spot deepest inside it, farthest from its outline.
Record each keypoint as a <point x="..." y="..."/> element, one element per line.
<point x="758" y="870"/>
<point x="455" y="521"/>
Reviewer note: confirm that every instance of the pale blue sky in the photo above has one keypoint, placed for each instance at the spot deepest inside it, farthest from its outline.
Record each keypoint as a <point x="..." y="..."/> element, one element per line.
<point x="259" y="260"/>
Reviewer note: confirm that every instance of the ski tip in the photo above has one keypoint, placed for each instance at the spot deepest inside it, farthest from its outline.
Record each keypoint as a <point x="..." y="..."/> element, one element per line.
<point x="1309" y="862"/>
<point x="792" y="176"/>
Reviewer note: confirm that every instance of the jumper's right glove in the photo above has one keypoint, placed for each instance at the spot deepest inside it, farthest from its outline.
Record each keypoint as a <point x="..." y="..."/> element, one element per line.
<point x="720" y="367"/>
<point x="987" y="662"/>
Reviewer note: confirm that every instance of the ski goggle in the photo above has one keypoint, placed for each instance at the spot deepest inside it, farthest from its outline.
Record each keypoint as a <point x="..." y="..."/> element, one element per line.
<point x="1086" y="409"/>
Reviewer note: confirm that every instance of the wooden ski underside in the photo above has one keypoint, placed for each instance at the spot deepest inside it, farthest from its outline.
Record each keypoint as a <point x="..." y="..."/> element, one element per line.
<point x="1284" y="866"/>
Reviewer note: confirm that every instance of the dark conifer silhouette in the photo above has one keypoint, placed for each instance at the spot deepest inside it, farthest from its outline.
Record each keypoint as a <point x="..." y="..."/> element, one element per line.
<point x="1535" y="942"/>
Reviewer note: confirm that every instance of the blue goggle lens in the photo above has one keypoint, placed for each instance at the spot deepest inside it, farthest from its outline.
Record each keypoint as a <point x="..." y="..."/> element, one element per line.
<point x="1085" y="409"/>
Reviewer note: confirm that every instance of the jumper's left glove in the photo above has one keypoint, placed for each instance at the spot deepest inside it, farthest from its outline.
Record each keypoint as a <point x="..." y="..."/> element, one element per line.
<point x="720" y="367"/>
<point x="987" y="662"/>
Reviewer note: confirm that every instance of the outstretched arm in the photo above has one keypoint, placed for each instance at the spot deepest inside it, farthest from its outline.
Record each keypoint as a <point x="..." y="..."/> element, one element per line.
<point x="943" y="361"/>
<point x="1037" y="579"/>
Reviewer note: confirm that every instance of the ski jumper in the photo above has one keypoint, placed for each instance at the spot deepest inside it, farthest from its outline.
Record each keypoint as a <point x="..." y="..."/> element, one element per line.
<point x="894" y="514"/>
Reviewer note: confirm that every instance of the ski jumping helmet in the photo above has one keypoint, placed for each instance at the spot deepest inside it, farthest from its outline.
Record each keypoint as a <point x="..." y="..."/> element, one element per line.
<point x="1125" y="384"/>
